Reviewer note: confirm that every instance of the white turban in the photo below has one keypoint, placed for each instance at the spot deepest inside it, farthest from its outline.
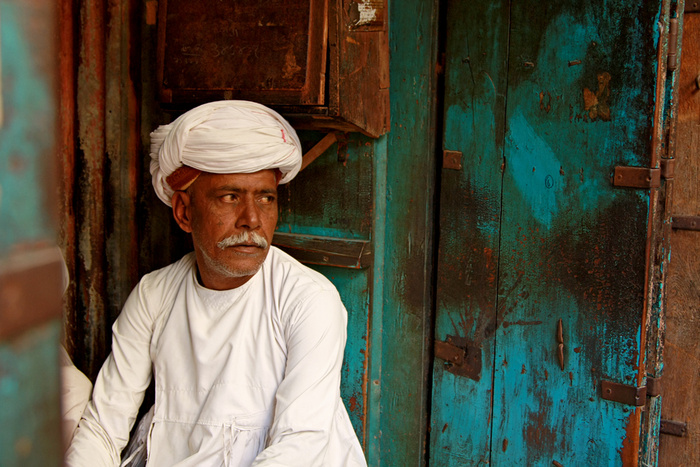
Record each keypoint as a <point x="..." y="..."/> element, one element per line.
<point x="224" y="137"/>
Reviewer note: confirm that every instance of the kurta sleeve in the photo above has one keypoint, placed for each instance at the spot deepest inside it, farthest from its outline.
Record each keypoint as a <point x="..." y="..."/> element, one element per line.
<point x="104" y="428"/>
<point x="308" y="397"/>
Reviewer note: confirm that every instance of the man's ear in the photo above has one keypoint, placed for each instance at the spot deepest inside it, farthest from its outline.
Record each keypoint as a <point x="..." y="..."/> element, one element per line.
<point x="182" y="210"/>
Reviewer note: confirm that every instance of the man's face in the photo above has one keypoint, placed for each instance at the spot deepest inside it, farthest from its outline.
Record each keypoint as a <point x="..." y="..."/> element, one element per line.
<point x="232" y="218"/>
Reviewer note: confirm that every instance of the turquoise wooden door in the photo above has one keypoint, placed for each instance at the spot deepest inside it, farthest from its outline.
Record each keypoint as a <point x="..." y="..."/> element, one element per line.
<point x="542" y="283"/>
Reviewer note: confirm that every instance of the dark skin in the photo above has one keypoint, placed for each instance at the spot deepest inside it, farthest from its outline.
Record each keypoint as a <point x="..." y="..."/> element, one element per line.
<point x="217" y="206"/>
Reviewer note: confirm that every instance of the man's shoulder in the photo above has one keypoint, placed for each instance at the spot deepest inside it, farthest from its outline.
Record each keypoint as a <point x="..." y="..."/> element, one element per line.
<point x="297" y="288"/>
<point x="173" y="273"/>
<point x="287" y="272"/>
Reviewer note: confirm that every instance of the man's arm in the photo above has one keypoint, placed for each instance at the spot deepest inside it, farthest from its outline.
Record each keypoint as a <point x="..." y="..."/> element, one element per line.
<point x="104" y="428"/>
<point x="307" y="399"/>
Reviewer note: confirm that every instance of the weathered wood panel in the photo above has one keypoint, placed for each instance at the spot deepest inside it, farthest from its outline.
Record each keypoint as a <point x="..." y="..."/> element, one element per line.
<point x="681" y="378"/>
<point x="574" y="249"/>
<point x="400" y="387"/>
<point x="582" y="76"/>
<point x="470" y="210"/>
<point x="273" y="52"/>
<point x="331" y="199"/>
<point x="101" y="165"/>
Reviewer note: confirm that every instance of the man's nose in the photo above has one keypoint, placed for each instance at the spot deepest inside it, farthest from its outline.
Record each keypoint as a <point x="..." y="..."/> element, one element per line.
<point x="248" y="215"/>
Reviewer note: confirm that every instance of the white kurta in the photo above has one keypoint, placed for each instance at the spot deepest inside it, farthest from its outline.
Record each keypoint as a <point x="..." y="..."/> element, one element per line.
<point x="248" y="376"/>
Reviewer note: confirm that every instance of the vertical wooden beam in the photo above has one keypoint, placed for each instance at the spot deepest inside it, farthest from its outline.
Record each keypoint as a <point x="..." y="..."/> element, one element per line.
<point x="90" y="166"/>
<point x="123" y="157"/>
<point x="66" y="152"/>
<point x="408" y="239"/>
<point x="681" y="351"/>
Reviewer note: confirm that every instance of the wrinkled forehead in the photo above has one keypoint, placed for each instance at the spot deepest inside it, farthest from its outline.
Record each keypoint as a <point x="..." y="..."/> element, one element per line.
<point x="262" y="180"/>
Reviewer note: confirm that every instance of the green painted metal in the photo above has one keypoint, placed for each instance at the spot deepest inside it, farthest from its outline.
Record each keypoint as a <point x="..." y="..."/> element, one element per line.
<point x="578" y="101"/>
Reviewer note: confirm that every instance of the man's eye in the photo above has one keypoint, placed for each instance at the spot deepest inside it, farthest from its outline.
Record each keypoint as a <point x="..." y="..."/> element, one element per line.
<point x="267" y="199"/>
<point x="229" y="198"/>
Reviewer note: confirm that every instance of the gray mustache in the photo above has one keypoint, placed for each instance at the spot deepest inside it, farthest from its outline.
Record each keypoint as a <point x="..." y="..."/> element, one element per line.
<point x="243" y="238"/>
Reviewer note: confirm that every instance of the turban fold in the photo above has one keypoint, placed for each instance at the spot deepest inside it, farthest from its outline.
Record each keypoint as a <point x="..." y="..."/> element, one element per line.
<point x="222" y="137"/>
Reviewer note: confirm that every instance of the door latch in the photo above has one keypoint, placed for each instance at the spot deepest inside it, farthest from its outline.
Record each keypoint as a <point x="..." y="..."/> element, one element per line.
<point x="461" y="357"/>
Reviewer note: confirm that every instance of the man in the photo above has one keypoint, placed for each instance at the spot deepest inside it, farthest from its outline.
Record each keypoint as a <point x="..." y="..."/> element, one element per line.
<point x="245" y="343"/>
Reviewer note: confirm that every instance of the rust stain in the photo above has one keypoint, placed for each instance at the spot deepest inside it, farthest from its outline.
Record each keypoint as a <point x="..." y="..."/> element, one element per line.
<point x="629" y="452"/>
<point x="353" y="403"/>
<point x="444" y="428"/>
<point x="290" y="65"/>
<point x="597" y="104"/>
<point x="505" y="444"/>
<point x="151" y="12"/>
<point x="520" y="323"/>
<point x="545" y="101"/>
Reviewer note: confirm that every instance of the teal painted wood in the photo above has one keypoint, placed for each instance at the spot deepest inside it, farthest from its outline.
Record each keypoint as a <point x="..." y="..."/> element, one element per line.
<point x="376" y="342"/>
<point x="407" y="275"/>
<point x="29" y="399"/>
<point x="332" y="197"/>
<point x="581" y="85"/>
<point x="353" y="287"/>
<point x="666" y="147"/>
<point x="470" y="208"/>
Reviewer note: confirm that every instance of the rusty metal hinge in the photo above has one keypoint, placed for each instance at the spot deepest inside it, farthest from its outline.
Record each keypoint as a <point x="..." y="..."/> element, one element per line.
<point x="623" y="393"/>
<point x="653" y="386"/>
<point x="685" y="222"/>
<point x="668" y="168"/>
<point x="449" y="352"/>
<point x="637" y="177"/>
<point x="672" y="427"/>
<point x="672" y="63"/>
<point x="461" y="358"/>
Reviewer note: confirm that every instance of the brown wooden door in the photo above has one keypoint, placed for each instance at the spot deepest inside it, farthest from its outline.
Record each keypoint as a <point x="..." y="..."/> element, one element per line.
<point x="681" y="374"/>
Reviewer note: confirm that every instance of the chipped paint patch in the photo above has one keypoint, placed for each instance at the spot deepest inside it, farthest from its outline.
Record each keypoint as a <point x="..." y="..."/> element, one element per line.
<point x="597" y="104"/>
<point x="368" y="13"/>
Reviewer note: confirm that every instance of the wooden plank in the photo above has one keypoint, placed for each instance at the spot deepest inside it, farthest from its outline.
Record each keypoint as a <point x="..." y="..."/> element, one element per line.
<point x="399" y="435"/>
<point x="327" y="210"/>
<point x="325" y="251"/>
<point x="277" y="48"/>
<point x="123" y="155"/>
<point x="470" y="207"/>
<point x="362" y="51"/>
<point x="573" y="246"/>
<point x="91" y="344"/>
<point x="67" y="233"/>
<point x="680" y="397"/>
